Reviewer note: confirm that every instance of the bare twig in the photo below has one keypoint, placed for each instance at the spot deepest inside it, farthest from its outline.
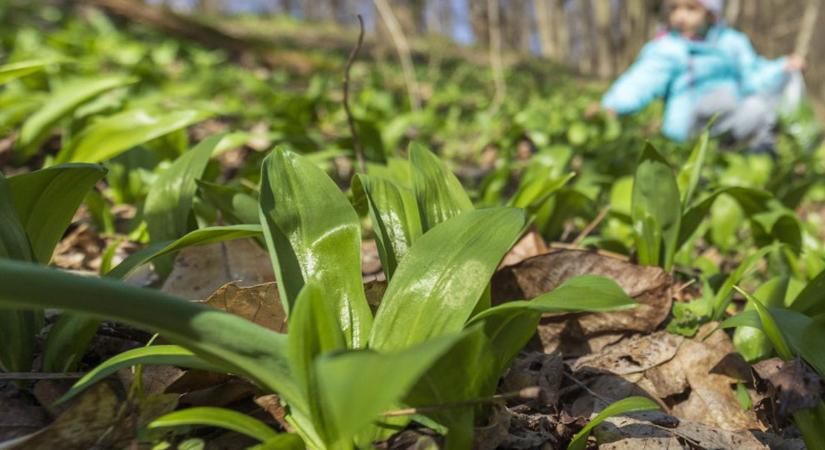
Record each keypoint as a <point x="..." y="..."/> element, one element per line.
<point x="591" y="226"/>
<point x="526" y="393"/>
<point x="403" y="49"/>
<point x="807" y="28"/>
<point x="18" y="376"/>
<point x="356" y="142"/>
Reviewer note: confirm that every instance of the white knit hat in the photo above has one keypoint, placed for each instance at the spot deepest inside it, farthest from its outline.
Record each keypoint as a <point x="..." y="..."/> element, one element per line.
<point x="716" y="7"/>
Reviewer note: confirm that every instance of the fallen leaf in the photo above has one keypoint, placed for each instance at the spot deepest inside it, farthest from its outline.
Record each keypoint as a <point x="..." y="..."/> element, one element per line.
<point x="633" y="355"/>
<point x="18" y="415"/>
<point x="493" y="434"/>
<point x="259" y="303"/>
<point x="536" y="369"/>
<point x="793" y="385"/>
<point x="571" y="333"/>
<point x="530" y="245"/>
<point x="201" y="270"/>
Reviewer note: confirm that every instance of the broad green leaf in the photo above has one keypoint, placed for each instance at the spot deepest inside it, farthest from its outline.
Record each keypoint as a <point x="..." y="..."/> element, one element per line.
<point x="169" y="201"/>
<point x="750" y="200"/>
<point x="18" y="329"/>
<point x="466" y="372"/>
<point x="216" y="417"/>
<point x="9" y="72"/>
<point x="171" y="355"/>
<point x="47" y="199"/>
<point x="216" y="336"/>
<point x="437" y="285"/>
<point x="201" y="236"/>
<point x="67" y="342"/>
<point x="313" y="234"/>
<point x="532" y="193"/>
<point x="61" y="103"/>
<point x="811" y="300"/>
<point x="235" y="205"/>
<point x="438" y="192"/>
<point x="14" y="243"/>
<point x="357" y="386"/>
<point x="623" y="406"/>
<point x="656" y="209"/>
<point x="313" y="330"/>
<point x="769" y="326"/>
<point x="752" y="343"/>
<point x="691" y="171"/>
<point x="394" y="217"/>
<point x="108" y="137"/>
<point x="283" y="441"/>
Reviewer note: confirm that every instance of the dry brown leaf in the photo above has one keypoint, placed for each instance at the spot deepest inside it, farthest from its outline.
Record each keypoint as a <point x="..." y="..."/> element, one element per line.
<point x="260" y="304"/>
<point x="18" y="416"/>
<point x="633" y="355"/>
<point x="48" y="391"/>
<point x="492" y="435"/>
<point x="272" y="405"/>
<point x="530" y="245"/>
<point x="711" y="368"/>
<point x="623" y="432"/>
<point x="793" y="385"/>
<point x="370" y="261"/>
<point x="650" y="286"/>
<point x="536" y="369"/>
<point x="199" y="271"/>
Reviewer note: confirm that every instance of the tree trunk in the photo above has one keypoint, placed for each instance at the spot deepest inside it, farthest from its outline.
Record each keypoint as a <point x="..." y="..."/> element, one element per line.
<point x="545" y="29"/>
<point x="602" y="41"/>
<point x="403" y="49"/>
<point x="480" y="22"/>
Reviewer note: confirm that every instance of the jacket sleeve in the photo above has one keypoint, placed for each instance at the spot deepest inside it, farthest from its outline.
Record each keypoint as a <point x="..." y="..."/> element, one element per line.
<point x="757" y="74"/>
<point x="647" y="78"/>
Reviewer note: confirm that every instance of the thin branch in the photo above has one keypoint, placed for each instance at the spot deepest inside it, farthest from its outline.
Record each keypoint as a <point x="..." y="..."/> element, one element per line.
<point x="356" y="142"/>
<point x="807" y="28"/>
<point x="591" y="226"/>
<point x="19" y="376"/>
<point x="403" y="49"/>
<point x="526" y="393"/>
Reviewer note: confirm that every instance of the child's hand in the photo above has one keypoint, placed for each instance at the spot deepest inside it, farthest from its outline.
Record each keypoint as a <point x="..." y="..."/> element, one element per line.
<point x="594" y="109"/>
<point x="795" y="63"/>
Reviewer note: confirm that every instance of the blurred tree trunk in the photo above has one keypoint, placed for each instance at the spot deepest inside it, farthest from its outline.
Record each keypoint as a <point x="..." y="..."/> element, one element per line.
<point x="602" y="38"/>
<point x="495" y="53"/>
<point x="547" y="47"/>
<point x="479" y="22"/>
<point x="211" y="7"/>
<point x="410" y="15"/>
<point x="732" y="11"/>
<point x="516" y="25"/>
<point x="402" y="47"/>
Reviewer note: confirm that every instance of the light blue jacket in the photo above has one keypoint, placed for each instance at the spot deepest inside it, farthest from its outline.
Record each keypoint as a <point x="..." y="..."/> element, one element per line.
<point x="681" y="71"/>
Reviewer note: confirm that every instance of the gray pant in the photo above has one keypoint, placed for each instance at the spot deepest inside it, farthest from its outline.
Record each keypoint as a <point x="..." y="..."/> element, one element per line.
<point x="750" y="121"/>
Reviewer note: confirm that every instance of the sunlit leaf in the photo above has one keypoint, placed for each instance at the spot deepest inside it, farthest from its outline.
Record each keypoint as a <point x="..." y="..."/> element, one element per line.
<point x="217" y="417"/>
<point x="623" y="406"/>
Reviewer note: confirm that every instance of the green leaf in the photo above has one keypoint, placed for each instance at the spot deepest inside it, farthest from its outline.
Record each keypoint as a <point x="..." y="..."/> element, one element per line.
<point x="437" y="285"/>
<point x="169" y="201"/>
<point x="47" y="199"/>
<point x="656" y="209"/>
<point x="216" y="336"/>
<point x="313" y="234"/>
<point x="769" y="326"/>
<point x="356" y="386"/>
<point x="18" y="329"/>
<point x="691" y="171"/>
<point x="201" y="236"/>
<point x="235" y="205"/>
<point x="623" y="406"/>
<point x="723" y="295"/>
<point x="67" y="342"/>
<point x="171" y="355"/>
<point x="283" y="441"/>
<point x="811" y="300"/>
<point x="14" y="243"/>
<point x="313" y="330"/>
<point x="61" y="103"/>
<point x="9" y="72"/>
<point x="466" y="372"/>
<point x="752" y="201"/>
<point x="752" y="343"/>
<point x="394" y="217"/>
<point x="216" y="417"/>
<point x="438" y="192"/>
<point x="108" y="137"/>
